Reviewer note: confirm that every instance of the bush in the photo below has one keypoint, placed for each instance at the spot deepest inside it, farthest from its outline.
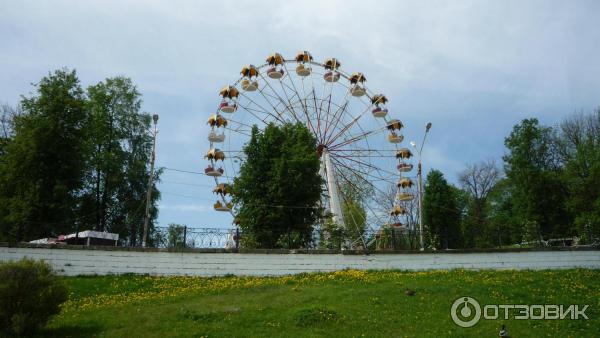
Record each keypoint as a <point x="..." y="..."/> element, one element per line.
<point x="30" y="293"/>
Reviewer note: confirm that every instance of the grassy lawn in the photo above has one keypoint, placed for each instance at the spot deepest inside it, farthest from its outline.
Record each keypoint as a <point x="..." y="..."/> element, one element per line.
<point x="342" y="304"/>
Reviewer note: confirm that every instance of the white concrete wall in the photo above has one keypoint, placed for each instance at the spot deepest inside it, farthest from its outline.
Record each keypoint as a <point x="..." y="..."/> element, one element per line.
<point x="85" y="262"/>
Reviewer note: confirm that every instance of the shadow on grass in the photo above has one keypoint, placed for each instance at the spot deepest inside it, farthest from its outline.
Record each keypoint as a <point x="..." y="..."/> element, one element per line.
<point x="84" y="330"/>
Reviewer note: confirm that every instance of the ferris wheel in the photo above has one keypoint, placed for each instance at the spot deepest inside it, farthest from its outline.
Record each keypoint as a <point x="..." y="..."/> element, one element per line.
<point x="358" y="141"/>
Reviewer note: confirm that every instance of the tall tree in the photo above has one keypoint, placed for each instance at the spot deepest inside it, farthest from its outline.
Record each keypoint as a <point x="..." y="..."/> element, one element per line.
<point x="119" y="147"/>
<point x="441" y="212"/>
<point x="579" y="145"/>
<point x="534" y="170"/>
<point x="42" y="171"/>
<point x="7" y="130"/>
<point x="478" y="180"/>
<point x="278" y="187"/>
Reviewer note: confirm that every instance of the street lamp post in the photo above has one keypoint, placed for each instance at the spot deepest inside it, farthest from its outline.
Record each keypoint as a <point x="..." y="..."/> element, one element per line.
<point x="420" y="184"/>
<point x="150" y="181"/>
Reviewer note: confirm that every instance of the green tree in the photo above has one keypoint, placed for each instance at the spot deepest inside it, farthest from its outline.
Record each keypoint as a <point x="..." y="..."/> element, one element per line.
<point x="41" y="174"/>
<point x="278" y="187"/>
<point x="441" y="213"/>
<point x="534" y="171"/>
<point x="119" y="148"/>
<point x="503" y="227"/>
<point x="478" y="180"/>
<point x="578" y="143"/>
<point x="7" y="118"/>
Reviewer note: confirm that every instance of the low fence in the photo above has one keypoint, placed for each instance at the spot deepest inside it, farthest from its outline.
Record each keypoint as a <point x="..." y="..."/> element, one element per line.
<point x="80" y="260"/>
<point x="234" y="238"/>
<point x="389" y="238"/>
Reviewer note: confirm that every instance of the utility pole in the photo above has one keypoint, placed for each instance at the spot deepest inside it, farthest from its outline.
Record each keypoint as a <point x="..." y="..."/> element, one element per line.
<point x="420" y="185"/>
<point x="150" y="181"/>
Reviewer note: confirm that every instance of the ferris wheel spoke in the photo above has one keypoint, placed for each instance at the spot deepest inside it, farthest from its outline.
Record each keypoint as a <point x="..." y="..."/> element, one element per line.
<point x="278" y="97"/>
<point x="238" y="131"/>
<point x="348" y="126"/>
<point x="368" y="165"/>
<point x="357" y="138"/>
<point x="266" y="111"/>
<point x="335" y="119"/>
<point x="253" y="112"/>
<point x="378" y="177"/>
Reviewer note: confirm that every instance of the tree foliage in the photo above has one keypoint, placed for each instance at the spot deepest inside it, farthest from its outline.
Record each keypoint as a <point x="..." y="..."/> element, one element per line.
<point x="43" y="168"/>
<point x="72" y="160"/>
<point x="534" y="170"/>
<point x="278" y="187"/>
<point x="441" y="213"/>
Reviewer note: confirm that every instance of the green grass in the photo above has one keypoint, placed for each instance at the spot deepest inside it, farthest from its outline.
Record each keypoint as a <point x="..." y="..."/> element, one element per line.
<point x="343" y="304"/>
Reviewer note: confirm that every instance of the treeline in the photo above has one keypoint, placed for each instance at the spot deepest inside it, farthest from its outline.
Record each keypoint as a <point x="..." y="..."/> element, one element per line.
<point x="549" y="188"/>
<point x="74" y="159"/>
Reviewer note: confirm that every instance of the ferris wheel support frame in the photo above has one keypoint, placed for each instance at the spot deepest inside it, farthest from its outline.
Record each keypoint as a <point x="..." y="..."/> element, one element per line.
<point x="334" y="198"/>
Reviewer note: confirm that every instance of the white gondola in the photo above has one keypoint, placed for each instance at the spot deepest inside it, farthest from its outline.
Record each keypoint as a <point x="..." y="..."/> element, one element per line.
<point x="380" y="112"/>
<point x="275" y="73"/>
<point x="303" y="70"/>
<point x="405" y="167"/>
<point x="249" y="85"/>
<point x="395" y="138"/>
<point x="332" y="76"/>
<point x="228" y="107"/>
<point x="405" y="196"/>
<point x="216" y="138"/>
<point x="214" y="172"/>
<point x="357" y="91"/>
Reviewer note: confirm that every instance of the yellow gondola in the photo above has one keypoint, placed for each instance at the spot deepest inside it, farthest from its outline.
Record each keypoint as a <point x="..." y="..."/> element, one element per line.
<point x="304" y="57"/>
<point x="332" y="64"/>
<point x="249" y="71"/>
<point x="405" y="196"/>
<point x="275" y="59"/>
<point x="357" y="88"/>
<point x="217" y="120"/>
<point x="403" y="153"/>
<point x="357" y="78"/>
<point x="378" y="99"/>
<point x="222" y="189"/>
<point x="395" y="138"/>
<point x="229" y="92"/>
<point x="405" y="182"/>
<point x="215" y="154"/>
<point x="394" y="125"/>
<point x="397" y="210"/>
<point x="220" y="207"/>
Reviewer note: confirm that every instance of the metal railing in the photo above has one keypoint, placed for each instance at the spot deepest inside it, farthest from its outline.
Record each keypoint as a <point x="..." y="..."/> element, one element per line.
<point x="318" y="239"/>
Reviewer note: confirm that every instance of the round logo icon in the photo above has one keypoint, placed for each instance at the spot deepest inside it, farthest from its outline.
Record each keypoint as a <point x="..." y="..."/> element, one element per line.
<point x="465" y="311"/>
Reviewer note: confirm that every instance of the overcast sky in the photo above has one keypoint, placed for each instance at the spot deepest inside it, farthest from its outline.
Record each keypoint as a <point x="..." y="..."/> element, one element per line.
<point x="472" y="68"/>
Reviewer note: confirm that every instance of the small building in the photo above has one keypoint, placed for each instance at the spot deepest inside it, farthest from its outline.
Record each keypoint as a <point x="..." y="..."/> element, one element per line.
<point x="87" y="237"/>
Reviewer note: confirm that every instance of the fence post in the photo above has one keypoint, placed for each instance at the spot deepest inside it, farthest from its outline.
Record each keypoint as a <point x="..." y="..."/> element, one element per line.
<point x="237" y="238"/>
<point x="184" y="235"/>
<point x="393" y="238"/>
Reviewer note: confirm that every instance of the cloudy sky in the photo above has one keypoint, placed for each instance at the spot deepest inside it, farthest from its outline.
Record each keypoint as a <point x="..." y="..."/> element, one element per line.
<point x="472" y="68"/>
